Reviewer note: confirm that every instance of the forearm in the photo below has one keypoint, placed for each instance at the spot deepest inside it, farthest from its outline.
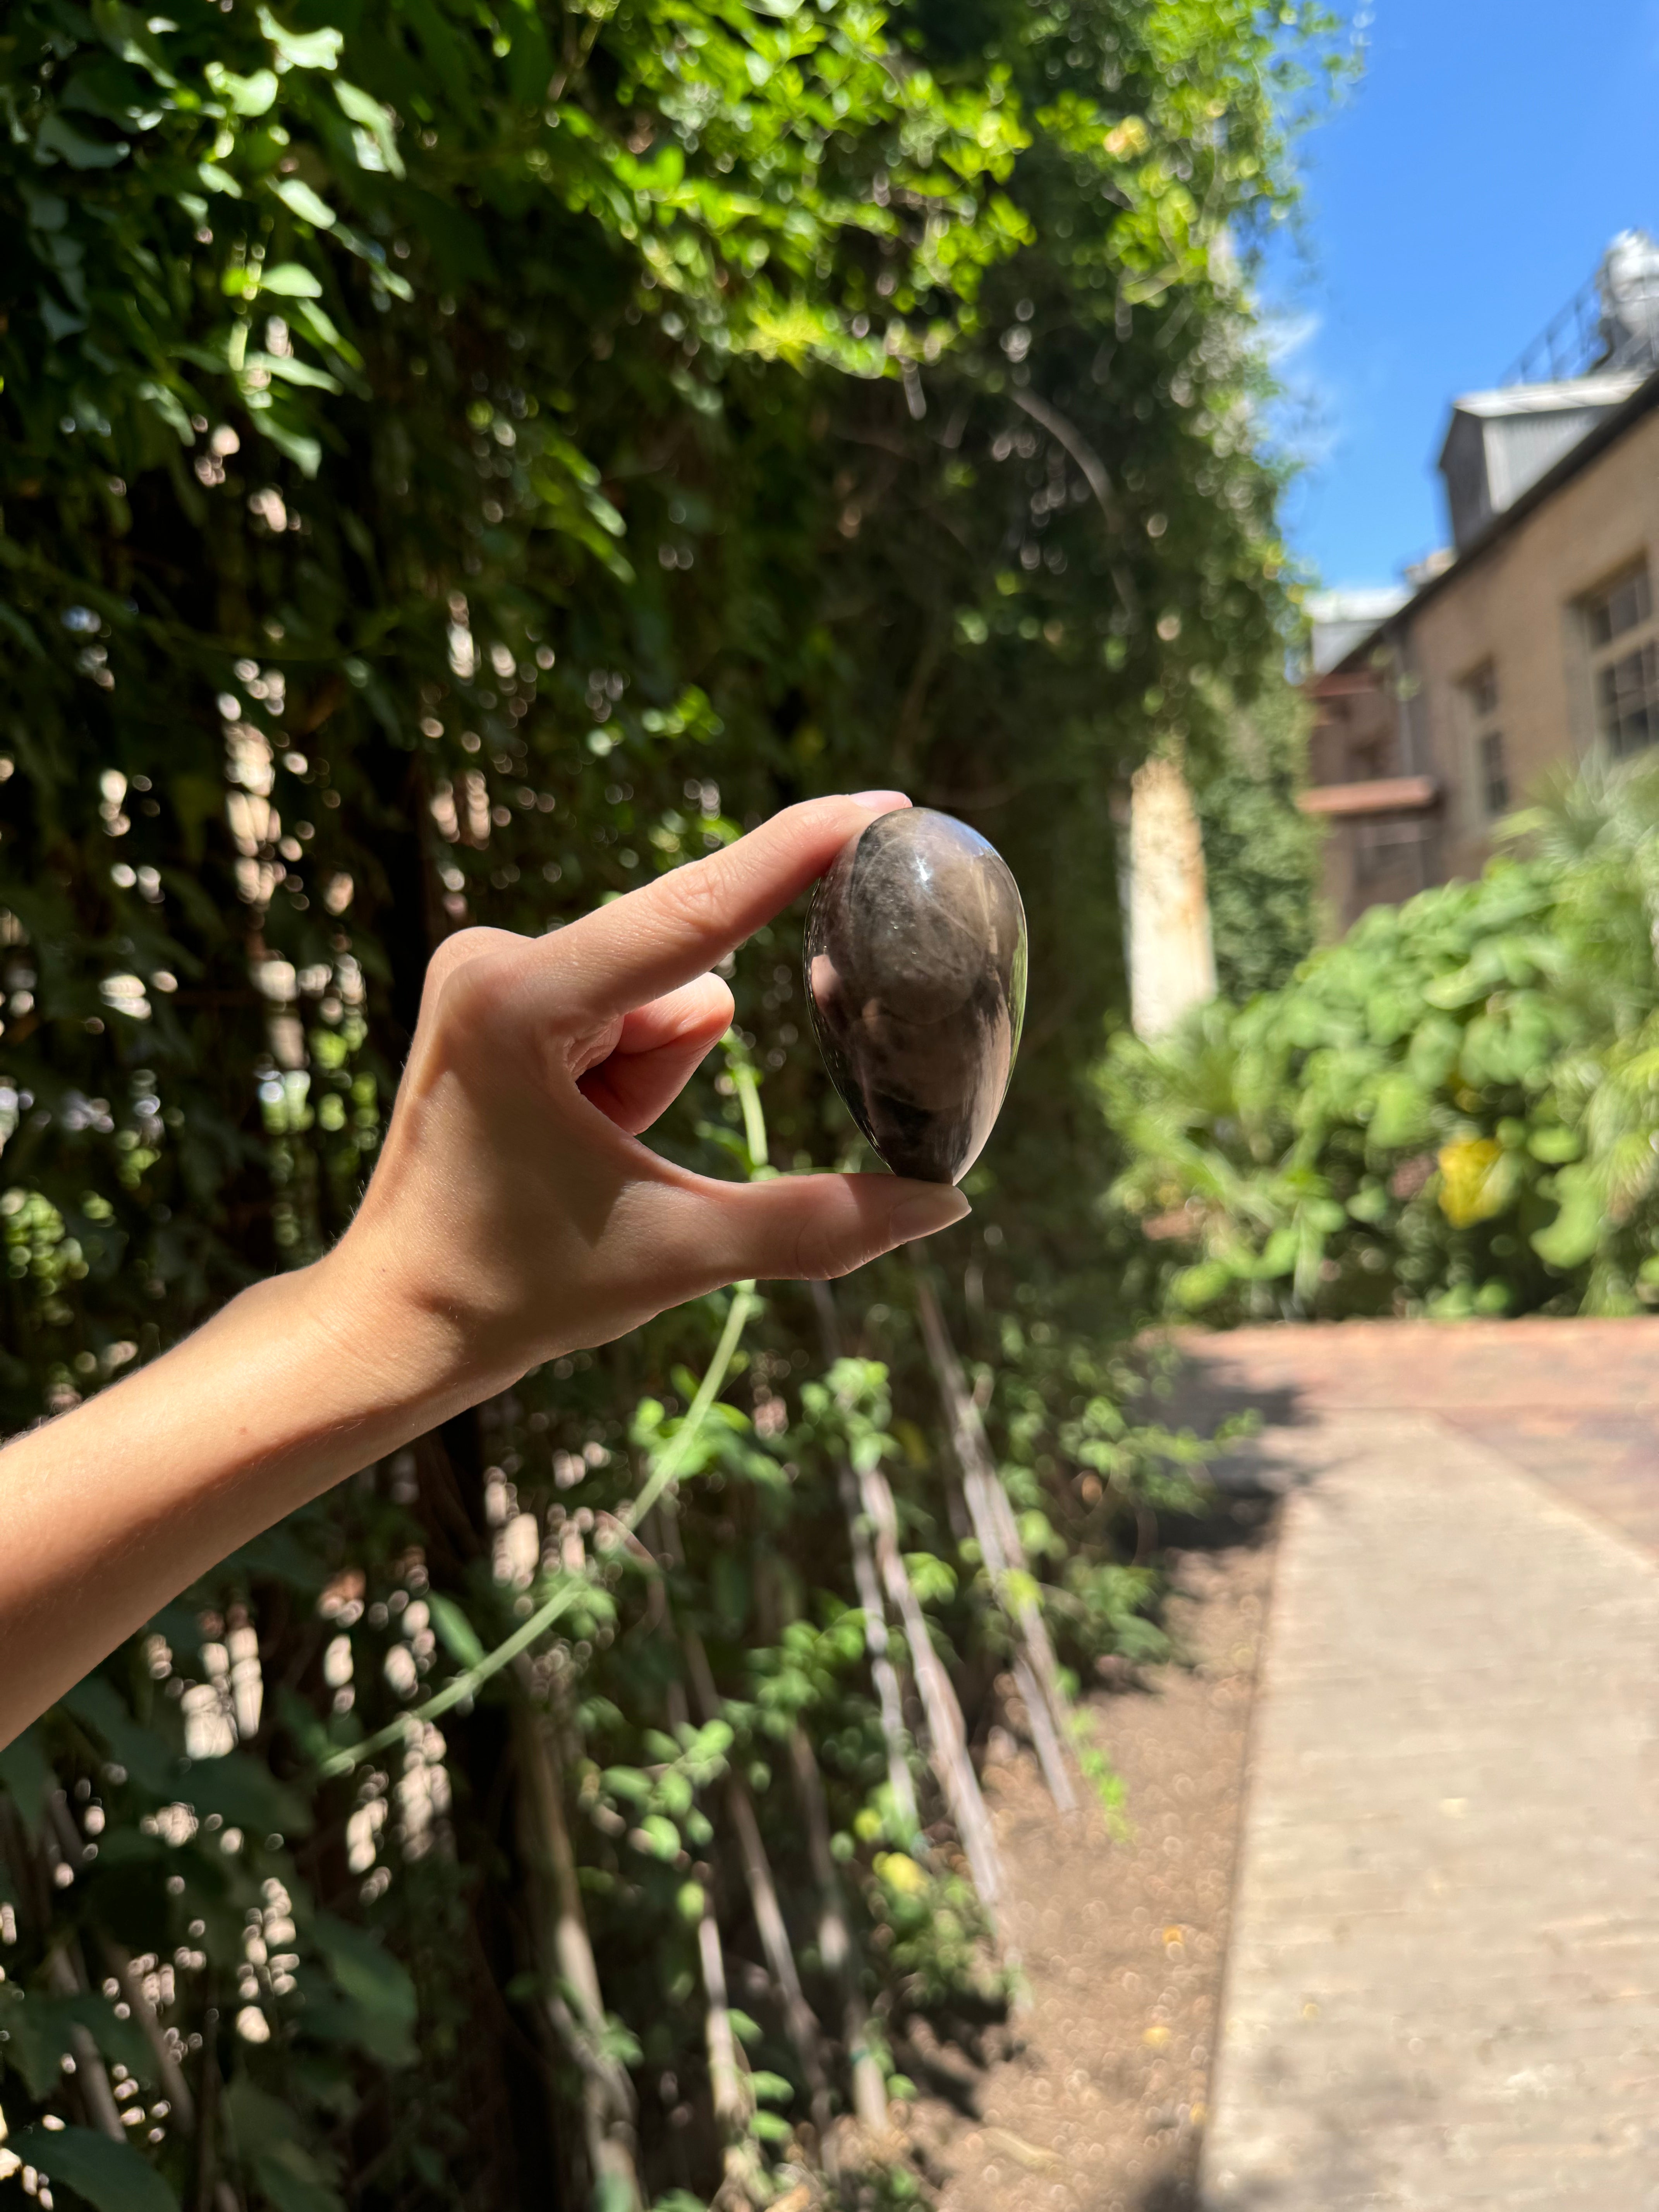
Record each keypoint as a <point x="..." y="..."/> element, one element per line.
<point x="110" y="1510"/>
<point x="513" y="1215"/>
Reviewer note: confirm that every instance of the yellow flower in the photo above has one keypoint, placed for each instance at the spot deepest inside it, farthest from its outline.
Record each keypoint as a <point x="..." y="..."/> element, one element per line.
<point x="1472" y="1188"/>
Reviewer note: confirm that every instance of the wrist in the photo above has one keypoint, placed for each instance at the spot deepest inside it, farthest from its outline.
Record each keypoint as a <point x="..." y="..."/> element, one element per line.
<point x="389" y="1347"/>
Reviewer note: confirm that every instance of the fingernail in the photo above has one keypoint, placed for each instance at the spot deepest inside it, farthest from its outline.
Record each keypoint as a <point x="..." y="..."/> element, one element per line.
<point x="928" y="1212"/>
<point x="883" y="799"/>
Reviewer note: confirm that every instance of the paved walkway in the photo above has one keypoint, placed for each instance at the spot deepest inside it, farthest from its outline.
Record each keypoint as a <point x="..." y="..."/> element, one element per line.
<point x="1443" y="1989"/>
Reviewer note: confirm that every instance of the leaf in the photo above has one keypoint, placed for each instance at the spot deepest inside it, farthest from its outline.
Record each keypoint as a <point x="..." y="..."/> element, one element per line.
<point x="374" y="118"/>
<point x="248" y="95"/>
<point x="37" y="2029"/>
<point x="530" y="59"/>
<point x="293" y="371"/>
<point x="56" y="136"/>
<point x="293" y="2181"/>
<point x="318" y="49"/>
<point x="933" y="1578"/>
<point x="1201" y="1285"/>
<point x="146" y="1755"/>
<point x="267" y="2133"/>
<point x="1556" y="1146"/>
<point x="1575" y="1234"/>
<point x="376" y="1982"/>
<point x="26" y="1776"/>
<point x="901" y="1873"/>
<point x="176" y="416"/>
<point x="277" y="1554"/>
<point x="662" y="1835"/>
<point x="290" y="281"/>
<point x="456" y="1631"/>
<point x="627" y="1782"/>
<point x="111" y="2175"/>
<point x="245" y="1794"/>
<point x="306" y="453"/>
<point x="1402" y="1112"/>
<point x="121" y="2041"/>
<point x="1432" y="1053"/>
<point x="21" y="631"/>
<point x="299" y="199"/>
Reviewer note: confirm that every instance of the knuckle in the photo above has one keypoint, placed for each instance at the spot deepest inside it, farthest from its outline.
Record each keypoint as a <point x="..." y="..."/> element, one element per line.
<point x="453" y="953"/>
<point x="809" y="1262"/>
<point x="470" y="990"/>
<point x="701" y="892"/>
<point x="821" y="1254"/>
<point x="464" y="949"/>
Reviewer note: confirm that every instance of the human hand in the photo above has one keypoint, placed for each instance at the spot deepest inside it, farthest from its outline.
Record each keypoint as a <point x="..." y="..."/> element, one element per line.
<point x="514" y="1215"/>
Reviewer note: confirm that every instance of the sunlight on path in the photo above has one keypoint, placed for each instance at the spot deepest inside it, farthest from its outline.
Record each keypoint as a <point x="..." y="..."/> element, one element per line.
<point x="1443" y="1984"/>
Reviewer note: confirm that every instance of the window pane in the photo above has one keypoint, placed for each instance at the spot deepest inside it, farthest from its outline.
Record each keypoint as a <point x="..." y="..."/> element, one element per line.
<point x="1494" y="773"/>
<point x="1628" y="700"/>
<point x="1620" y="608"/>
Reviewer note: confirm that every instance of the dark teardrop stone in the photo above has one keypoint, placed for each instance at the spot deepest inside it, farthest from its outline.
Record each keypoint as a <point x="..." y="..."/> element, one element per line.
<point x="915" y="974"/>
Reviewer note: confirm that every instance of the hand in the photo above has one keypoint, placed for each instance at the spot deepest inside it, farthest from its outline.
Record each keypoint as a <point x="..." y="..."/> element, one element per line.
<point x="514" y="1215"/>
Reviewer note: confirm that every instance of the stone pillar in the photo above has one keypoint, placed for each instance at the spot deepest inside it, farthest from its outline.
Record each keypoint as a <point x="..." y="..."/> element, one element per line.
<point x="1166" y="906"/>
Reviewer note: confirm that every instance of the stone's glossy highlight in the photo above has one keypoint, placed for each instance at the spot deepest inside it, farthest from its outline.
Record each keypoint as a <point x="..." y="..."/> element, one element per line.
<point x="915" y="974"/>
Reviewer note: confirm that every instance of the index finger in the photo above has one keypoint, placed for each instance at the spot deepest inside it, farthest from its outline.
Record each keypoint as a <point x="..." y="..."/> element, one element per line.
<point x="649" y="942"/>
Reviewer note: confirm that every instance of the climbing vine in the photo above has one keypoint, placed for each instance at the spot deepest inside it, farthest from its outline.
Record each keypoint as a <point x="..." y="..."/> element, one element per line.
<point x="457" y="462"/>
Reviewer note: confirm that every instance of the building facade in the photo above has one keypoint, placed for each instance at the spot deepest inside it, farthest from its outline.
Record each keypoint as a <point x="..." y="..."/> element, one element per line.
<point x="1531" y="645"/>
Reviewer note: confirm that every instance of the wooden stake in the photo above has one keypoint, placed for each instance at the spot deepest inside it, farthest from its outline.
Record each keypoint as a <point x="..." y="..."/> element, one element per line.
<point x="744" y="2182"/>
<point x="1036" y="1669"/>
<point x="948" y="1744"/>
<point x="799" y="2016"/>
<point x="951" y="1764"/>
<point x="836" y="1941"/>
<point x="868" y="1582"/>
<point x="609" y="2107"/>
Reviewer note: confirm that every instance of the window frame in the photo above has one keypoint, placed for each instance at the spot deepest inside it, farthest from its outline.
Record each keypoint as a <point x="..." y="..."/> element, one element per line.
<point x="1624" y="718"/>
<point x="1481" y="696"/>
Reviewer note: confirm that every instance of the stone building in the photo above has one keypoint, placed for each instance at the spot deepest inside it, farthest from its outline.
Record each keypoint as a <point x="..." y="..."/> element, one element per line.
<point x="1531" y="642"/>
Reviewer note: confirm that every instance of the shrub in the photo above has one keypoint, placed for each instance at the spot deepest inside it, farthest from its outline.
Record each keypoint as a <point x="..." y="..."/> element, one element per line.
<point x="1455" y="1110"/>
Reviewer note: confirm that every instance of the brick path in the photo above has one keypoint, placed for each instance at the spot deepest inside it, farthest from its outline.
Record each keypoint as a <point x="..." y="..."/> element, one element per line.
<point x="1443" y="1989"/>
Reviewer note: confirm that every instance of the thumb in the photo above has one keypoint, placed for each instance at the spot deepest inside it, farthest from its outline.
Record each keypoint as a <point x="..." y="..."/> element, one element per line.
<point x="811" y="1228"/>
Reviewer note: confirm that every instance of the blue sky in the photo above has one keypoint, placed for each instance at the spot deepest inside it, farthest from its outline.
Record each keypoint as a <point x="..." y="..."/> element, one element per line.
<point x="1463" y="192"/>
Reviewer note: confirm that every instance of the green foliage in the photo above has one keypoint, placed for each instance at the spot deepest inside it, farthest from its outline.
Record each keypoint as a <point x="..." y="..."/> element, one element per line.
<point x="456" y="463"/>
<point x="1260" y="855"/>
<point x="110" y="2176"/>
<point x="930" y="1929"/>
<point x="1454" y="1111"/>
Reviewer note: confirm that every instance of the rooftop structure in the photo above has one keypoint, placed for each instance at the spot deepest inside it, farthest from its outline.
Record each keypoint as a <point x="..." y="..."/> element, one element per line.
<point x="1587" y="361"/>
<point x="1337" y="621"/>
<point x="1498" y="444"/>
<point x="1611" y="324"/>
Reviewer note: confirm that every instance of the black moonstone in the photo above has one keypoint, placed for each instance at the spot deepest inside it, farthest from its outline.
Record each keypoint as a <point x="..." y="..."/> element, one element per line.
<point x="915" y="974"/>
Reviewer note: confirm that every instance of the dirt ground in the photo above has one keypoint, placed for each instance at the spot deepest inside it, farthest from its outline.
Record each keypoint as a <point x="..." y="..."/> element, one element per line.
<point x="1092" y="2098"/>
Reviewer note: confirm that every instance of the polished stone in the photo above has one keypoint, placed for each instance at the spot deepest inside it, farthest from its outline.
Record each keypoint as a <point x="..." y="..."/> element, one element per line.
<point x="915" y="974"/>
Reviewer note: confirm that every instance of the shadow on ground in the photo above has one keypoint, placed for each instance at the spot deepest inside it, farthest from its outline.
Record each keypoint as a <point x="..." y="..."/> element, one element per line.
<point x="1094" y="2097"/>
